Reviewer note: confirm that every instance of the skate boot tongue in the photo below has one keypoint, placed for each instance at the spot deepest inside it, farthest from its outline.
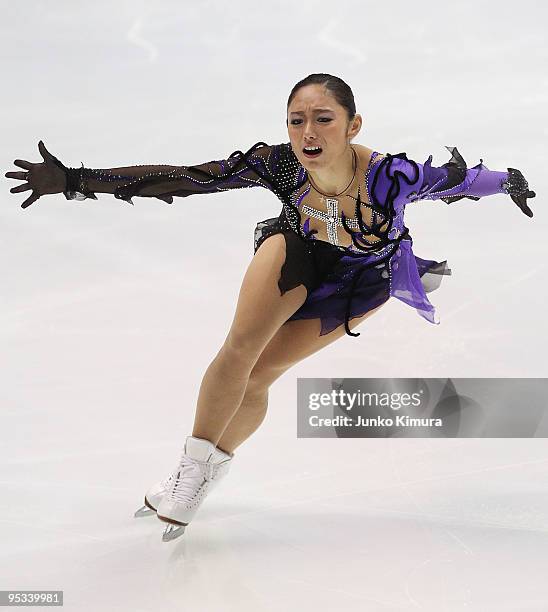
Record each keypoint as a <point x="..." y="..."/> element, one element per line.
<point x="199" y="449"/>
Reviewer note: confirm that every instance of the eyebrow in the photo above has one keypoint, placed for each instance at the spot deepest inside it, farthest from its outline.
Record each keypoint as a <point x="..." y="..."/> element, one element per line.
<point x="317" y="110"/>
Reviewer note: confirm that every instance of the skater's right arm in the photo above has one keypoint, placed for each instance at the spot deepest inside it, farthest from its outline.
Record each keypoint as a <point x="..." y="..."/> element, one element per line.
<point x="256" y="167"/>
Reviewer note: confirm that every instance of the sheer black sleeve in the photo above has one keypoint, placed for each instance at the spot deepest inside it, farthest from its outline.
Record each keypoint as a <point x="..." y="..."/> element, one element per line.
<point x="255" y="168"/>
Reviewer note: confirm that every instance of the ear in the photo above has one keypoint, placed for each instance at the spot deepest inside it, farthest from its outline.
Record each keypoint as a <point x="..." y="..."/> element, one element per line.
<point x="355" y="126"/>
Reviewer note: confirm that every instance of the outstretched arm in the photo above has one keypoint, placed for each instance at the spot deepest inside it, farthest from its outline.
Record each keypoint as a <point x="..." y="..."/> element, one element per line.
<point x="240" y="170"/>
<point x="256" y="167"/>
<point x="454" y="181"/>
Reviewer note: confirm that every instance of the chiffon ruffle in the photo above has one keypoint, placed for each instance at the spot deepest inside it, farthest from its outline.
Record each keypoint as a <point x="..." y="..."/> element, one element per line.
<point x="413" y="277"/>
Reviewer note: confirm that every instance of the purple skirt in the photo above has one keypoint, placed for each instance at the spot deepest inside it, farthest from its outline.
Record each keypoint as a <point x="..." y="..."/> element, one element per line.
<point x="341" y="287"/>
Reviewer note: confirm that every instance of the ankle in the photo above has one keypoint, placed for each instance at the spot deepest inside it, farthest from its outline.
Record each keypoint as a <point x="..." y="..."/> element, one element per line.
<point x="227" y="450"/>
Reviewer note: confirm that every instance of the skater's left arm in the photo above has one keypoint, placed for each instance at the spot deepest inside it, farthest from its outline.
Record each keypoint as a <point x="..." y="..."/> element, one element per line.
<point x="454" y="181"/>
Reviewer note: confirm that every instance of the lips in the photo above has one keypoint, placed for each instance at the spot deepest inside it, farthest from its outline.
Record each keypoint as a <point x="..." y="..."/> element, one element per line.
<point x="311" y="154"/>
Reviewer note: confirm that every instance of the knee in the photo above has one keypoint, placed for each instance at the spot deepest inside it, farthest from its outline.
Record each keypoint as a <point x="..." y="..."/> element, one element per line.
<point x="238" y="353"/>
<point x="261" y="378"/>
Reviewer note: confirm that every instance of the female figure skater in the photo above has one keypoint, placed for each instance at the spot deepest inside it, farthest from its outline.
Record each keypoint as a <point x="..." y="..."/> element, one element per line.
<point x="336" y="253"/>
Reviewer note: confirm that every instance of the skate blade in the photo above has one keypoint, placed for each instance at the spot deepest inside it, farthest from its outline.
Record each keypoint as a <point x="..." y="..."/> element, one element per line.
<point x="144" y="511"/>
<point x="173" y="531"/>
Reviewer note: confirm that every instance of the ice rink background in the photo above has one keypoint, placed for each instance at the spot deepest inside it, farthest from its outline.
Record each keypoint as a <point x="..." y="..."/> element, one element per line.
<point x="111" y="313"/>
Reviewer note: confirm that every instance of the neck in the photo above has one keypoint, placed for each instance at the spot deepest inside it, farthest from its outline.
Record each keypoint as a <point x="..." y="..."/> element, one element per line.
<point x="333" y="179"/>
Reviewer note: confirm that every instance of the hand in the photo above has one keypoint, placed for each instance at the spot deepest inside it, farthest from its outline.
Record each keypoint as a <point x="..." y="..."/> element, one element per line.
<point x="43" y="178"/>
<point x="519" y="191"/>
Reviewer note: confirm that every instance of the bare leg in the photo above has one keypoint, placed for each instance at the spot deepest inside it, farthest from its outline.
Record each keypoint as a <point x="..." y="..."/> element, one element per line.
<point x="247" y="420"/>
<point x="293" y="342"/>
<point x="260" y="312"/>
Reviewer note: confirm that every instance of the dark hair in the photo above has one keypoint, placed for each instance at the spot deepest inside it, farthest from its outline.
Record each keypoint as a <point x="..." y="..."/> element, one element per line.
<point x="336" y="86"/>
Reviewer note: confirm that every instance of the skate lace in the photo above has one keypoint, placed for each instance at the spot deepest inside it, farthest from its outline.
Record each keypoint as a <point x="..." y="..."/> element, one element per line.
<point x="188" y="479"/>
<point x="167" y="481"/>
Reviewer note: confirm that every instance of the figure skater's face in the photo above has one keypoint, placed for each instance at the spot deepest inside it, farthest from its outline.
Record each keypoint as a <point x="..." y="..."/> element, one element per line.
<point x="315" y="118"/>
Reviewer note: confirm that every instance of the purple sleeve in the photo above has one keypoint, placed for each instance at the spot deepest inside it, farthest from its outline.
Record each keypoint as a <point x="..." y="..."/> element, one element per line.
<point x="452" y="181"/>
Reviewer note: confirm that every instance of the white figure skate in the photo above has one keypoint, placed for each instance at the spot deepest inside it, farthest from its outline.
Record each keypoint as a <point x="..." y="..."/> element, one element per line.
<point x="200" y="467"/>
<point x="153" y="497"/>
<point x="156" y="492"/>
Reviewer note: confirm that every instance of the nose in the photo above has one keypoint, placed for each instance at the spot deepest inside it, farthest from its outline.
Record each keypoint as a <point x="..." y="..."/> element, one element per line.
<point x="309" y="134"/>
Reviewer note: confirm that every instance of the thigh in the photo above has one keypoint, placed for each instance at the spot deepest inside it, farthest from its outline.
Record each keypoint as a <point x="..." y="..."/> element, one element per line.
<point x="293" y="342"/>
<point x="261" y="310"/>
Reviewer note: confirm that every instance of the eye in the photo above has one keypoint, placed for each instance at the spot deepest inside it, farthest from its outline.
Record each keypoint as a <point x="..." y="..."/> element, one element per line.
<point x="323" y="119"/>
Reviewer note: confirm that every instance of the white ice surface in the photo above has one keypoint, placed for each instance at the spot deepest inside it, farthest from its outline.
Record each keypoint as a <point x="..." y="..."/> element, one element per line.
<point x="110" y="313"/>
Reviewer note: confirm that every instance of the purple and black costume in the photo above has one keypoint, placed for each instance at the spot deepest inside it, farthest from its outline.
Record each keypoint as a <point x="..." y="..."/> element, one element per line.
<point x="342" y="282"/>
